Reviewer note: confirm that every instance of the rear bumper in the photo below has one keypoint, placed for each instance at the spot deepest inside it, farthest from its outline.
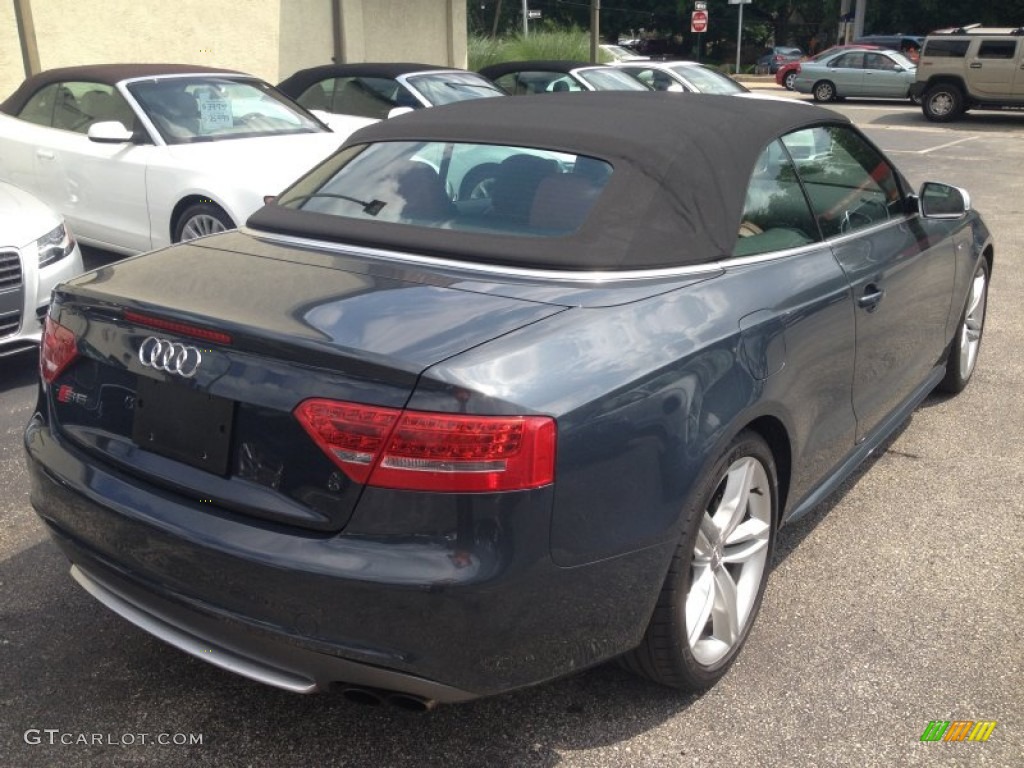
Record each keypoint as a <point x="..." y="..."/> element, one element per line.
<point x="438" y="617"/>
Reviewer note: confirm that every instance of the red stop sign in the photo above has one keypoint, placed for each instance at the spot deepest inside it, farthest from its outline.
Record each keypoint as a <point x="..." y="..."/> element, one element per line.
<point x="699" y="21"/>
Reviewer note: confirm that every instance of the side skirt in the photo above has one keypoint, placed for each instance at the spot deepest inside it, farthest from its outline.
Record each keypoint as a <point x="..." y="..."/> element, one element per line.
<point x="866" y="447"/>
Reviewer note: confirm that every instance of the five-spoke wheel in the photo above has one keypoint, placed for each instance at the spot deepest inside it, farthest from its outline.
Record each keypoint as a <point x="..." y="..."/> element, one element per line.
<point x="717" y="578"/>
<point x="964" y="348"/>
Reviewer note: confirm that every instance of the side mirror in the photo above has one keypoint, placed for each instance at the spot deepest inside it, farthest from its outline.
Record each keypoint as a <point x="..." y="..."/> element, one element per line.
<point x="399" y="111"/>
<point x="109" y="132"/>
<point x="943" y="201"/>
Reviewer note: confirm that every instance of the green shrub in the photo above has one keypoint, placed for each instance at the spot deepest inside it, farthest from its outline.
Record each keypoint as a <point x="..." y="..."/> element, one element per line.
<point x="572" y="44"/>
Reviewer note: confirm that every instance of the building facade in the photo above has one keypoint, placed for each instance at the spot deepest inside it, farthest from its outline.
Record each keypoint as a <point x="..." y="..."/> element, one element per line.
<point x="268" y="38"/>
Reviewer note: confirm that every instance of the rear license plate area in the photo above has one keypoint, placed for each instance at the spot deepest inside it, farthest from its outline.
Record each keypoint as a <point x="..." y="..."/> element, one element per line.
<point x="177" y="422"/>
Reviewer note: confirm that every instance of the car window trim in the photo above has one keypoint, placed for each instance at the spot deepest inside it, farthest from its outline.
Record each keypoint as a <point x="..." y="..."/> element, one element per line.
<point x="501" y="270"/>
<point x="842" y="237"/>
<point x="533" y="273"/>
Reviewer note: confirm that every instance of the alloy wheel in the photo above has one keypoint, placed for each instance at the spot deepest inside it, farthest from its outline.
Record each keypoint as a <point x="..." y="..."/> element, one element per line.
<point x="730" y="556"/>
<point x="974" y="319"/>
<point x="201" y="225"/>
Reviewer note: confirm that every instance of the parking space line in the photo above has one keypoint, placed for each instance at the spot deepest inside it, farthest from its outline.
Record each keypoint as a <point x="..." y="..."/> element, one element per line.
<point x="946" y="145"/>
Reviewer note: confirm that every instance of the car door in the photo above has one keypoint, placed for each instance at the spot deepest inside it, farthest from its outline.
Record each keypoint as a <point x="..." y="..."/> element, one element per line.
<point x="883" y="77"/>
<point x="847" y="73"/>
<point x="993" y="67"/>
<point x="99" y="187"/>
<point x="900" y="268"/>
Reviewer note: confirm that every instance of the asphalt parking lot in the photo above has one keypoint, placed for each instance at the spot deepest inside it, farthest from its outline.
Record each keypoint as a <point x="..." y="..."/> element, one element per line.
<point x="897" y="602"/>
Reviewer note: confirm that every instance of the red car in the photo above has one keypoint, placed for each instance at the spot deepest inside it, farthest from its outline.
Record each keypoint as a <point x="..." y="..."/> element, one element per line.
<point x="787" y="72"/>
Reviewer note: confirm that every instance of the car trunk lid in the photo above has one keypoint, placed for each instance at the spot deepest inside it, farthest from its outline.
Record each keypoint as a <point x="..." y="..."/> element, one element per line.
<point x="260" y="335"/>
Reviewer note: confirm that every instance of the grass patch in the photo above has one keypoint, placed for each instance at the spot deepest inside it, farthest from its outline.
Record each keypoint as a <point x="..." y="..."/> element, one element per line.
<point x="571" y="44"/>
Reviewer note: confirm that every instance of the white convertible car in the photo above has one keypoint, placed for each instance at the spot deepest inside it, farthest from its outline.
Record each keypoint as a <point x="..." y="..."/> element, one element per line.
<point x="36" y="253"/>
<point x="137" y="156"/>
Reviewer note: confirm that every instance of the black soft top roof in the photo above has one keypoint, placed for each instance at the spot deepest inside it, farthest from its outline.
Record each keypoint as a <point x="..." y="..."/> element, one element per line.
<point x="109" y="74"/>
<point x="681" y="170"/>
<point x="297" y="84"/>
<point x="494" y="71"/>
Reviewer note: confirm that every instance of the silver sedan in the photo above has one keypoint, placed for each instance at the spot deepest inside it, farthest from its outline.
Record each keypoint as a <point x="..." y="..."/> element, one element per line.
<point x="872" y="74"/>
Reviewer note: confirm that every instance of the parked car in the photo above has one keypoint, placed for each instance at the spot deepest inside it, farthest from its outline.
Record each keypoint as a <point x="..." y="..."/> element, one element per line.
<point x="874" y="74"/>
<point x="519" y="78"/>
<point x="137" y="156"/>
<point x="428" y="449"/>
<point x="773" y="58"/>
<point x="787" y="73"/>
<point x="684" y="76"/>
<point x="375" y="90"/>
<point x="37" y="251"/>
<point x="619" y="53"/>
<point x="975" y="67"/>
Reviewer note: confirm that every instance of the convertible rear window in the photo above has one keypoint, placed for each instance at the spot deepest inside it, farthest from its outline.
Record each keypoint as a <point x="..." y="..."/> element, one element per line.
<point x="455" y="186"/>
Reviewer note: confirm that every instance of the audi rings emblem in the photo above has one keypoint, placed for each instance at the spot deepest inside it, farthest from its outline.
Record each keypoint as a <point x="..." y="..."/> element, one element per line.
<point x="163" y="355"/>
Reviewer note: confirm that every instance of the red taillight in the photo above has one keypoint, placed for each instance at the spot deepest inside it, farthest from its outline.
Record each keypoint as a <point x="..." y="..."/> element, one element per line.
<point x="185" y="329"/>
<point x="415" y="450"/>
<point x="57" y="350"/>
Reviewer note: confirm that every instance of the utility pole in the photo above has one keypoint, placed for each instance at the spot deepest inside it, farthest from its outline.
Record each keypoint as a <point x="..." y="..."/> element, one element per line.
<point x="27" y="36"/>
<point x="595" y="29"/>
<point x="526" y="16"/>
<point x="497" y="17"/>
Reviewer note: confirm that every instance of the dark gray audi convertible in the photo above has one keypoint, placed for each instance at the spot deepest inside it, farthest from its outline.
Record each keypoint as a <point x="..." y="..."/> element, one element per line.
<point x="428" y="447"/>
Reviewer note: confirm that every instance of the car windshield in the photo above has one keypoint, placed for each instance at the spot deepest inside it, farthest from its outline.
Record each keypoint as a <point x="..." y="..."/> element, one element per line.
<point x="708" y="80"/>
<point x="449" y="87"/>
<point x="454" y="186"/>
<point x="211" y="108"/>
<point x="607" y="79"/>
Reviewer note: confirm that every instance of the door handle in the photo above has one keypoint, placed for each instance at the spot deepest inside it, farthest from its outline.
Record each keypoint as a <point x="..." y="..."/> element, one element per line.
<point x="873" y="295"/>
<point x="44" y="154"/>
<point x="975" y="65"/>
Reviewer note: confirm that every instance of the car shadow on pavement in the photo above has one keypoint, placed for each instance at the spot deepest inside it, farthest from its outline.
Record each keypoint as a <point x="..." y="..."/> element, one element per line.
<point x="985" y="122"/>
<point x="71" y="665"/>
<point x="20" y="370"/>
<point x="792" y="534"/>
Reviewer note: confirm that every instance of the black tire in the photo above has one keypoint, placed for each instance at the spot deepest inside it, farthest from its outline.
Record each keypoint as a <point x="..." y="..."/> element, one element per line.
<point x="966" y="343"/>
<point x="666" y="654"/>
<point x="788" y="80"/>
<point x="201" y="219"/>
<point x="824" y="91"/>
<point x="476" y="183"/>
<point x="942" y="103"/>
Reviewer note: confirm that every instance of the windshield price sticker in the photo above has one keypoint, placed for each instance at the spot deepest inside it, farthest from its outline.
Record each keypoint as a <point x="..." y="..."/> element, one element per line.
<point x="214" y="113"/>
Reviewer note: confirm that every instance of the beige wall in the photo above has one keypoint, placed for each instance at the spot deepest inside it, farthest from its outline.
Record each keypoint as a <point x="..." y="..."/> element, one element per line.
<point x="307" y="37"/>
<point x="268" y="38"/>
<point x="11" y="70"/>
<point x="426" y="31"/>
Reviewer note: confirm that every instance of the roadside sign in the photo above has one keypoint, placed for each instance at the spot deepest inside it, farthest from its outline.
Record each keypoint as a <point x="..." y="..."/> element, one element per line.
<point x="700" y="5"/>
<point x="699" y="21"/>
<point x="533" y="14"/>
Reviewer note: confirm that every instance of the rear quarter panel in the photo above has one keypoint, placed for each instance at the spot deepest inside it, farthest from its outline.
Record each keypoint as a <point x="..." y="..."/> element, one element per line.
<point x="647" y="394"/>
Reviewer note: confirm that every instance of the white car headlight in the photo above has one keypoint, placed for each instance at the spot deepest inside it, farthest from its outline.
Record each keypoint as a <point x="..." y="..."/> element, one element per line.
<point x="55" y="245"/>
